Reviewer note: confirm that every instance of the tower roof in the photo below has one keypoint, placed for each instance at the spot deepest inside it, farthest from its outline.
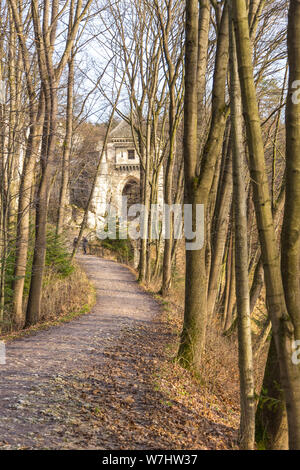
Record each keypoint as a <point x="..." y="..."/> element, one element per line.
<point x="121" y="131"/>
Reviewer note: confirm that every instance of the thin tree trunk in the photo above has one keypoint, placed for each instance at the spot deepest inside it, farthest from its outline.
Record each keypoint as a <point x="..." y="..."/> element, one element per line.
<point x="167" y="260"/>
<point x="203" y="36"/>
<point x="23" y="222"/>
<point x="281" y="322"/>
<point x="271" y="430"/>
<point x="220" y="229"/>
<point x="38" y="264"/>
<point x="247" y="399"/>
<point x="229" y="294"/>
<point x="63" y="197"/>
<point x="198" y="186"/>
<point x="290" y="250"/>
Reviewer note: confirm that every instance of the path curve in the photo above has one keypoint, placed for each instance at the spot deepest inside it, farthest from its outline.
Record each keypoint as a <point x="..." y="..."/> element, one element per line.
<point x="34" y="361"/>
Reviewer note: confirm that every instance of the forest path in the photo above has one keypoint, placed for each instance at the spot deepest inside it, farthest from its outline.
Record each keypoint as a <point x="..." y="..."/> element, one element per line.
<point x="38" y="406"/>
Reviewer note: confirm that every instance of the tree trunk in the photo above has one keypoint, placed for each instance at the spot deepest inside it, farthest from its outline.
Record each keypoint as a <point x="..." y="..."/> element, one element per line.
<point x="38" y="264"/>
<point x="23" y="221"/>
<point x="63" y="197"/>
<point x="290" y="250"/>
<point x="220" y="229"/>
<point x="271" y="430"/>
<point x="198" y="186"/>
<point x="247" y="399"/>
<point x="167" y="260"/>
<point x="281" y="323"/>
<point x="203" y="36"/>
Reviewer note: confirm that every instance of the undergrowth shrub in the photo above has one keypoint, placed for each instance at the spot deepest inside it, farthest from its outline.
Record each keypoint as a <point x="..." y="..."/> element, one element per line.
<point x="119" y="247"/>
<point x="66" y="288"/>
<point x="57" y="255"/>
<point x="65" y="295"/>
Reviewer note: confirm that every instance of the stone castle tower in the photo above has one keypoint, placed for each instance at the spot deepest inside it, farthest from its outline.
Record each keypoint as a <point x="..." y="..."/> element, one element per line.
<point x="119" y="176"/>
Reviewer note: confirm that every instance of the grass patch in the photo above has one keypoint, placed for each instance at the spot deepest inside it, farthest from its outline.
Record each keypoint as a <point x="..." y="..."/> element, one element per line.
<point x="45" y="325"/>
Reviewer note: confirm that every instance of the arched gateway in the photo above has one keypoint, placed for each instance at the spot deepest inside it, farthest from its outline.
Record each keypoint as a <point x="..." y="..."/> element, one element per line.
<point x="119" y="176"/>
<point x="131" y="191"/>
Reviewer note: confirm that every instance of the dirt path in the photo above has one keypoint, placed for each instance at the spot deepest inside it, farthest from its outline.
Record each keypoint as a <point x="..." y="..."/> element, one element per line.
<point x="39" y="405"/>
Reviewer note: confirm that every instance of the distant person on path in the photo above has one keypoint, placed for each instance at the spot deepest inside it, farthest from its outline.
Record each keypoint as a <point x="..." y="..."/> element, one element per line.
<point x="75" y="242"/>
<point x="85" y="245"/>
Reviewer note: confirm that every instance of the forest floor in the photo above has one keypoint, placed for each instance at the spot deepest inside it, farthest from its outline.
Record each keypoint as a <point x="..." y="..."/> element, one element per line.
<point x="106" y="380"/>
